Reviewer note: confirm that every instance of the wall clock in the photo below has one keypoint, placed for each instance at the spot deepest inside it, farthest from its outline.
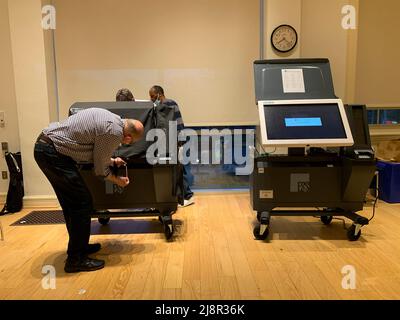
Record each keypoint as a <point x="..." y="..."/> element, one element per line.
<point x="284" y="38"/>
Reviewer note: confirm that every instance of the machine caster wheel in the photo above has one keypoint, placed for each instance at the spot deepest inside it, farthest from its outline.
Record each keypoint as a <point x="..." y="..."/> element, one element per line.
<point x="168" y="231"/>
<point x="263" y="219"/>
<point x="258" y="235"/>
<point x="351" y="233"/>
<point x="104" y="221"/>
<point x="326" y="220"/>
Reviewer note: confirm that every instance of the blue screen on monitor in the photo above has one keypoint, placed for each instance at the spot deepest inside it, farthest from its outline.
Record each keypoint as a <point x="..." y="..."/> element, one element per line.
<point x="303" y="122"/>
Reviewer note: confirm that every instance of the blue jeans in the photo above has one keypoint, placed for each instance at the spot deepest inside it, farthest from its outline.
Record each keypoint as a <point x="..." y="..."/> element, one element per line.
<point x="187" y="181"/>
<point x="72" y="193"/>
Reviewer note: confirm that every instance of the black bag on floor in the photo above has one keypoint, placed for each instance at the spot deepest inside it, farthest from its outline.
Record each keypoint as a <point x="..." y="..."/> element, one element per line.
<point x="15" y="192"/>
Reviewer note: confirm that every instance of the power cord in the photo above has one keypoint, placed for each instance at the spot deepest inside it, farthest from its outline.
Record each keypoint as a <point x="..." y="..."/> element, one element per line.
<point x="333" y="218"/>
<point x="374" y="207"/>
<point x="262" y="147"/>
<point x="376" y="194"/>
<point x="373" y="213"/>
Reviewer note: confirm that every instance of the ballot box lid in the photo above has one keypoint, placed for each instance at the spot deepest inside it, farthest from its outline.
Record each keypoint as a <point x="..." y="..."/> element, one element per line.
<point x="293" y="79"/>
<point x="125" y="109"/>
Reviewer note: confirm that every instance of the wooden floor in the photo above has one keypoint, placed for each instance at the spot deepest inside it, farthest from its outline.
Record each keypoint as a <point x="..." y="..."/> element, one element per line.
<point x="213" y="256"/>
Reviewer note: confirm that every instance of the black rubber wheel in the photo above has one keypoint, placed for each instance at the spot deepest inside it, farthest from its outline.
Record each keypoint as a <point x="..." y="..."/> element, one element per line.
<point x="326" y="220"/>
<point x="167" y="231"/>
<point x="350" y="233"/>
<point x="104" y="221"/>
<point x="259" y="236"/>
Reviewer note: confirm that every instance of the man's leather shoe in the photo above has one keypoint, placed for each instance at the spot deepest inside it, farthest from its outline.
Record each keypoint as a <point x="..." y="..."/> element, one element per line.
<point x="85" y="264"/>
<point x="93" y="248"/>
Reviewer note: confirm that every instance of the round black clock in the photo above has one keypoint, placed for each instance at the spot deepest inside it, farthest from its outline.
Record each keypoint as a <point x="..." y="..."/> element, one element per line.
<point x="284" y="38"/>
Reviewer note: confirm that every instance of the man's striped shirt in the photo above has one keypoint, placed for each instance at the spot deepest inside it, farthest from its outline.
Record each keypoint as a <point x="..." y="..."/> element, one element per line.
<point x="90" y="136"/>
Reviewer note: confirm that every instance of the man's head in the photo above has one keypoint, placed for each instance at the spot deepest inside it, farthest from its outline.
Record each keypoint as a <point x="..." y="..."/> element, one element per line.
<point x="133" y="131"/>
<point x="124" y="95"/>
<point x="157" y="93"/>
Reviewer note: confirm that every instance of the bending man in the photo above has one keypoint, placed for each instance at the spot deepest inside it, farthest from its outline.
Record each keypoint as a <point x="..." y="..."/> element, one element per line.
<point x="90" y="136"/>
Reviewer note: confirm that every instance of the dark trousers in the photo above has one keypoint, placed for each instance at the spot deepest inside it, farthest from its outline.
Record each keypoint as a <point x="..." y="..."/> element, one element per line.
<point x="72" y="193"/>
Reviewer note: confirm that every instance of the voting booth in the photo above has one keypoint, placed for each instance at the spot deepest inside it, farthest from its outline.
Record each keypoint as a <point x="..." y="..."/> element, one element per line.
<point x="327" y="162"/>
<point x="156" y="187"/>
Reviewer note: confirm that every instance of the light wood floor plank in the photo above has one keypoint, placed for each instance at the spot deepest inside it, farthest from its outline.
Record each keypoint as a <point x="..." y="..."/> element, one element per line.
<point x="213" y="256"/>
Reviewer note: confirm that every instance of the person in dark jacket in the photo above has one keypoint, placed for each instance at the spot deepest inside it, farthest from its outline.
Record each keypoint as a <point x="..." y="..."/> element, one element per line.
<point x="157" y="96"/>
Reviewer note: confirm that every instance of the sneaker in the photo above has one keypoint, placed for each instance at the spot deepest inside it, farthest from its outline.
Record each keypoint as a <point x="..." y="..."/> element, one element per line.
<point x="187" y="203"/>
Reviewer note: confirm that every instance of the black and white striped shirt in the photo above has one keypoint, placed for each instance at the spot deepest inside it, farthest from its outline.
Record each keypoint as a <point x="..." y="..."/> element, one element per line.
<point x="90" y="136"/>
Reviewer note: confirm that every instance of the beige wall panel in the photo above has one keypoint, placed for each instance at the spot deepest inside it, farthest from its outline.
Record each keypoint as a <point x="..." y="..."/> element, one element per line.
<point x="8" y="103"/>
<point x="324" y="37"/>
<point x="378" y="65"/>
<point x="200" y="51"/>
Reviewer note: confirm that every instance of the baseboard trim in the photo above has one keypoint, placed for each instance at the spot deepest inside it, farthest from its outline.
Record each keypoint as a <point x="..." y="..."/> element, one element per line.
<point x="52" y="202"/>
<point x="41" y="202"/>
<point x="213" y="192"/>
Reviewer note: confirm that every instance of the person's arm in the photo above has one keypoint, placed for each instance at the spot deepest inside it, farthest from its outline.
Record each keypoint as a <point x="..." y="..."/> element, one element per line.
<point x="178" y="118"/>
<point x="180" y="124"/>
<point x="104" y="146"/>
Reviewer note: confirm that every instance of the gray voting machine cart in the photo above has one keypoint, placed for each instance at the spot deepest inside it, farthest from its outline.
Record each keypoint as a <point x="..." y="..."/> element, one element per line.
<point x="329" y="163"/>
<point x="155" y="189"/>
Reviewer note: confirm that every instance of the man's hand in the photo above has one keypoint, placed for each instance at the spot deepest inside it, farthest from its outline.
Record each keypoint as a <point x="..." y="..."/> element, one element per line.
<point x="122" y="181"/>
<point x="119" y="181"/>
<point x="119" y="162"/>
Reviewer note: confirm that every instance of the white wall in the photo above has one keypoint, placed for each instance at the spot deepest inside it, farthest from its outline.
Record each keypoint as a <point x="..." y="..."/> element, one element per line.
<point x="30" y="78"/>
<point x="279" y="12"/>
<point x="52" y="88"/>
<point x="323" y="37"/>
<point x="10" y="133"/>
<point x="378" y="66"/>
<point x="201" y="52"/>
<point x="319" y="26"/>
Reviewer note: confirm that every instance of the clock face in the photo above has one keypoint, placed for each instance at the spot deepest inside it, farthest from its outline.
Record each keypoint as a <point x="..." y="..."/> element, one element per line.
<point x="284" y="38"/>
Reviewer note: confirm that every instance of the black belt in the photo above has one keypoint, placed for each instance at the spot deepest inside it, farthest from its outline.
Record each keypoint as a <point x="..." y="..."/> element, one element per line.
<point x="44" y="139"/>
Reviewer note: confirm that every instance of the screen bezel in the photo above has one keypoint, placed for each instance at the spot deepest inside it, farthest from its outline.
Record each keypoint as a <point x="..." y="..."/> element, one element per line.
<point x="339" y="142"/>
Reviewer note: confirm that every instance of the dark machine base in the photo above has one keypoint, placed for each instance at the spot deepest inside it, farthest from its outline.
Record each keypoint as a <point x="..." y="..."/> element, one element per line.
<point x="152" y="193"/>
<point x="164" y="216"/>
<point x="261" y="231"/>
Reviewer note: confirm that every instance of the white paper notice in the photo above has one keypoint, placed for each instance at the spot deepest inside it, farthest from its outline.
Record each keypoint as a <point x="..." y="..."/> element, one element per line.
<point x="293" y="81"/>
